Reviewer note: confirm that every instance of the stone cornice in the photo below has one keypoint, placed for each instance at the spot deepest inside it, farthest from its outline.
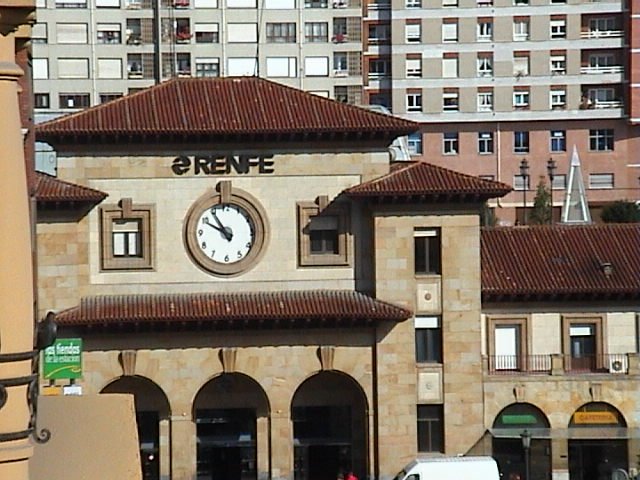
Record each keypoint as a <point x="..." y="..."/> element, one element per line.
<point x="15" y="13"/>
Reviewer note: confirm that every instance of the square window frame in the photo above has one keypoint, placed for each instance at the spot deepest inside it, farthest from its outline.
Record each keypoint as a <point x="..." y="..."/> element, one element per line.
<point x="305" y="212"/>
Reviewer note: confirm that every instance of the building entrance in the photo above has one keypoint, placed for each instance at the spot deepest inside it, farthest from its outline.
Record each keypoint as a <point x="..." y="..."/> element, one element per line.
<point x="596" y="459"/>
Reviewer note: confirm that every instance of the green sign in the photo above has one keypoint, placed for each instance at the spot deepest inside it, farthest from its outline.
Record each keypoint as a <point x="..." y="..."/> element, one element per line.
<point x="63" y="359"/>
<point x="522" y="419"/>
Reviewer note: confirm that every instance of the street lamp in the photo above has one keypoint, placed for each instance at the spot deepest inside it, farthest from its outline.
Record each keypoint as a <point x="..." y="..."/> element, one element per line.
<point x="526" y="445"/>
<point x="551" y="170"/>
<point x="524" y="174"/>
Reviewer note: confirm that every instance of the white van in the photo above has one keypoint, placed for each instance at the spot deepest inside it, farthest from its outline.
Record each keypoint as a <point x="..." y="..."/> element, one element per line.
<point x="451" y="468"/>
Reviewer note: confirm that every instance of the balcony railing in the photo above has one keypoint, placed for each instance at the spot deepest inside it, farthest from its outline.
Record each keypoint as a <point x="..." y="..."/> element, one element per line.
<point x="613" y="363"/>
<point x="601" y="34"/>
<point x="601" y="70"/>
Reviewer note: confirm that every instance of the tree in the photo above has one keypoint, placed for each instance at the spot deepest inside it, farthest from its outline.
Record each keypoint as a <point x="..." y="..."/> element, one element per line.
<point x="621" y="211"/>
<point x="541" y="212"/>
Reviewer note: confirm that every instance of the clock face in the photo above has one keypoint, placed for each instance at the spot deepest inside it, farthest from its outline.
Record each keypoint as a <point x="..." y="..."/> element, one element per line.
<point x="225" y="233"/>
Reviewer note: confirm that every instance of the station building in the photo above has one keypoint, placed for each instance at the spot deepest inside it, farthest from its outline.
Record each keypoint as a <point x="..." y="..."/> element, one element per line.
<point x="284" y="301"/>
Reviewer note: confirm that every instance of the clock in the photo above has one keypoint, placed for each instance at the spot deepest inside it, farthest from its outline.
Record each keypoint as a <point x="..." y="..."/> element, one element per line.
<point x="225" y="231"/>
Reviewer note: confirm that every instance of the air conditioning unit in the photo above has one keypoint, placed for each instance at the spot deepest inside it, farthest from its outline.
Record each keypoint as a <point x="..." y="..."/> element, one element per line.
<point x="618" y="364"/>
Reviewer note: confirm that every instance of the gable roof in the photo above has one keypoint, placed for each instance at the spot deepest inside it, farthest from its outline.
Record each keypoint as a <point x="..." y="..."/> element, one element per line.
<point x="423" y="181"/>
<point x="561" y="262"/>
<point x="316" y="308"/>
<point x="225" y="108"/>
<point x="49" y="189"/>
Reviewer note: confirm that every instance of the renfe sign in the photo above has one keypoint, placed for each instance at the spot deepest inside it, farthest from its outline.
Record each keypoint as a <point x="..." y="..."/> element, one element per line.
<point x="221" y="164"/>
<point x="63" y="359"/>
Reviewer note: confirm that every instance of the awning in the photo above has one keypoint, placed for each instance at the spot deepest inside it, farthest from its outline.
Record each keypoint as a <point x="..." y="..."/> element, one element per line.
<point x="590" y="433"/>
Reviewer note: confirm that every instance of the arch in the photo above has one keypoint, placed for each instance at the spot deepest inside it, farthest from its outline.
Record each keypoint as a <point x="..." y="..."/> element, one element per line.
<point x="231" y="412"/>
<point x="330" y="426"/>
<point x="152" y="416"/>
<point x="509" y="426"/>
<point x="598" y="415"/>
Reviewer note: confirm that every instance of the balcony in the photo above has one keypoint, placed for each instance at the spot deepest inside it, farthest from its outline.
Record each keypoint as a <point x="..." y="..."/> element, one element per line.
<point x="380" y="5"/>
<point x="602" y="34"/>
<point x="558" y="364"/>
<point x="601" y="70"/>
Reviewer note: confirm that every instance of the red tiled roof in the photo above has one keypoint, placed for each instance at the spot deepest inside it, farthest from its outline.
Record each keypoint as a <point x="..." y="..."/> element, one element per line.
<point x="231" y="310"/>
<point x="51" y="189"/>
<point x="561" y="262"/>
<point x="420" y="179"/>
<point x="222" y="107"/>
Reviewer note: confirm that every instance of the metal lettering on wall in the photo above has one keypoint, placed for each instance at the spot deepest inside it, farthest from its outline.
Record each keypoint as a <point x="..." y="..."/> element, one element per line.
<point x="221" y="164"/>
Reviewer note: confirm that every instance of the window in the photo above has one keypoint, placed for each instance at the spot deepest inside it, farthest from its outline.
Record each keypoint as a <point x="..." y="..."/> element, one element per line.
<point x="450" y="143"/>
<point x="340" y="64"/>
<point x="207" y="67"/>
<point x="602" y="26"/>
<point x="126" y="236"/>
<point x="521" y="2"/>
<point x="134" y="31"/>
<point x="520" y="29"/>
<point x="73" y="68"/>
<point x="107" y="97"/>
<point x="315" y="4"/>
<point x="71" y="33"/>
<point x="241" y="3"/>
<point x="559" y="182"/>
<point x="485" y="65"/>
<point x="558" y="28"/>
<point x="340" y="30"/>
<point x="73" y="100"/>
<point x="521" y="183"/>
<point x="109" y="33"/>
<point x="427" y="256"/>
<point x="428" y="332"/>
<point x="449" y="3"/>
<point x="450" y="31"/>
<point x="281" y="67"/>
<point x="558" y="64"/>
<point x="601" y="140"/>
<point x="134" y="66"/>
<point x="40" y="68"/>
<point x="315" y="32"/>
<point x="71" y="3"/>
<point x="583" y="343"/>
<point x="521" y="99"/>
<point x="413" y="67"/>
<point x="521" y="64"/>
<point x="109" y="68"/>
<point x="485" y="101"/>
<point x="414" y="102"/>
<point x="41" y="100"/>
<point x="183" y="64"/>
<point x="413" y="4"/>
<point x="558" y="98"/>
<point x="379" y="33"/>
<point x="507" y="343"/>
<point x="412" y="33"/>
<point x="322" y="235"/>
<point x="108" y="3"/>
<point x="484" y="31"/>
<point x="485" y="142"/>
<point x="242" y="66"/>
<point x="450" y="66"/>
<point x="281" y="33"/>
<point x="558" y="141"/>
<point x="602" y="98"/>
<point x="206" y="32"/>
<point x="39" y="33"/>
<point x="521" y="142"/>
<point x="430" y="428"/>
<point x="601" y="61"/>
<point x="316" y="66"/>
<point x="450" y="101"/>
<point x="242" y="32"/>
<point x="600" y="180"/>
<point x="414" y="141"/>
<point x="379" y="68"/>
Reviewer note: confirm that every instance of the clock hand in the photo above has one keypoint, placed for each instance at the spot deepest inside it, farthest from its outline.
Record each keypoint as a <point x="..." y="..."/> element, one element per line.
<point x="224" y="230"/>
<point x="224" y="233"/>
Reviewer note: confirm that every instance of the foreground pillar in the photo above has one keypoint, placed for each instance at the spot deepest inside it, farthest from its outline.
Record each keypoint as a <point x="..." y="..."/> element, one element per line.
<point x="16" y="271"/>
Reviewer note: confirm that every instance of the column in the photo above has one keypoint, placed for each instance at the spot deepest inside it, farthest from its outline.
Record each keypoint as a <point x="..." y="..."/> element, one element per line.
<point x="164" y="449"/>
<point x="16" y="270"/>
<point x="183" y="448"/>
<point x="262" y="447"/>
<point x="559" y="459"/>
<point x="282" y="445"/>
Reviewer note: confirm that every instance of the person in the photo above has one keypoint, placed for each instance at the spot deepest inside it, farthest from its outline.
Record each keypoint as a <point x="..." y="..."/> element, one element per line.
<point x="350" y="476"/>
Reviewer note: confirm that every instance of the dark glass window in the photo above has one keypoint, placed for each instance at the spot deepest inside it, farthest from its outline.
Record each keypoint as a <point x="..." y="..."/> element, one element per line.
<point x="430" y="428"/>
<point x="427" y="251"/>
<point x="428" y="340"/>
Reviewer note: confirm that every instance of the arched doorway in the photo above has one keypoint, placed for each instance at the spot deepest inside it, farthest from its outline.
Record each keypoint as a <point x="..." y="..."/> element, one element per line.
<point x="329" y="414"/>
<point x="509" y="449"/>
<point x="597" y="442"/>
<point x="231" y="413"/>
<point x="152" y="410"/>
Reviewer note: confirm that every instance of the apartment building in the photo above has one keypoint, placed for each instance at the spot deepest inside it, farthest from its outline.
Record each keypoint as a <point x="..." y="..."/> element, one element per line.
<point x="493" y="82"/>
